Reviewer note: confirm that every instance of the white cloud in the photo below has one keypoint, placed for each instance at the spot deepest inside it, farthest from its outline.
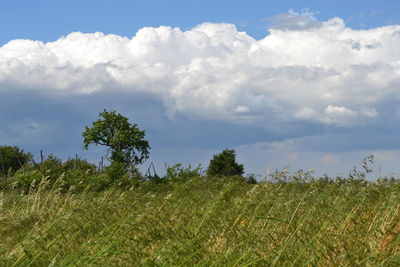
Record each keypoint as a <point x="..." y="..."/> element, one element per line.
<point x="295" y="21"/>
<point x="242" y="109"/>
<point x="371" y="112"/>
<point x="339" y="115"/>
<point x="265" y="157"/>
<point x="322" y="72"/>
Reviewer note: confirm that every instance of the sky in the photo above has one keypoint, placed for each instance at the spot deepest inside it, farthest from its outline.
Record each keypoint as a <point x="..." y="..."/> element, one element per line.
<point x="314" y="85"/>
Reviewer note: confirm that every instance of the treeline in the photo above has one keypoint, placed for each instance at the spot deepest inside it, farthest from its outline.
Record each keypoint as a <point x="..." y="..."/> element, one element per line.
<point x="127" y="149"/>
<point x="19" y="171"/>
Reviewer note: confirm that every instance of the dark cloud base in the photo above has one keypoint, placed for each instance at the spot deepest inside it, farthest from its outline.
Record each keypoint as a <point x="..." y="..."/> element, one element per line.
<point x="54" y="123"/>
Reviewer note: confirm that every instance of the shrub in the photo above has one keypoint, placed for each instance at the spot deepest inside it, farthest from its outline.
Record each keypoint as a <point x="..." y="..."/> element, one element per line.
<point x="178" y="173"/>
<point x="11" y="159"/>
<point x="51" y="167"/>
<point x="27" y="180"/>
<point x="224" y="164"/>
<point x="99" y="182"/>
<point x="79" y="164"/>
<point x="116" y="170"/>
<point x="76" y="173"/>
<point x="129" y="181"/>
<point x="251" y="179"/>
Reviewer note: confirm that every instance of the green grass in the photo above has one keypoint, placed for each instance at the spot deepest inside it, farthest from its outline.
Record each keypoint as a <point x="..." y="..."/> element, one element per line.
<point x="217" y="222"/>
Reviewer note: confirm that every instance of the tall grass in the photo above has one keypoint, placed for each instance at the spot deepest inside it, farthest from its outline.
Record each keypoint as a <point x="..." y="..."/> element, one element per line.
<point x="204" y="222"/>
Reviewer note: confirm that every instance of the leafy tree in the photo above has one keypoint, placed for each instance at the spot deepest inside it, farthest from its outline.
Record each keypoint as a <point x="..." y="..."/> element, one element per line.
<point x="125" y="141"/>
<point x="224" y="164"/>
<point x="11" y="159"/>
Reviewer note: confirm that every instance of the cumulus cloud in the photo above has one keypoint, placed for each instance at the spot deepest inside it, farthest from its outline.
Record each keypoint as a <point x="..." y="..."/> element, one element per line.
<point x="321" y="72"/>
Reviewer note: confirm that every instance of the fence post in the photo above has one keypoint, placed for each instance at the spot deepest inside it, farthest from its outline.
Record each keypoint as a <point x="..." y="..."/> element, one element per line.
<point x="41" y="156"/>
<point x="2" y="165"/>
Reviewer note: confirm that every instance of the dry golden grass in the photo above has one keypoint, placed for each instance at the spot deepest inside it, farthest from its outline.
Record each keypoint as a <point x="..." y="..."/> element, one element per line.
<point x="217" y="222"/>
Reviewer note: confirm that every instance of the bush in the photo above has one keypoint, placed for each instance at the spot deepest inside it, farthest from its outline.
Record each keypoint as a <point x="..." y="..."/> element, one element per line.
<point x="178" y="173"/>
<point x="79" y="164"/>
<point x="116" y="170"/>
<point x="129" y="181"/>
<point x="251" y="179"/>
<point x="52" y="167"/>
<point x="224" y="164"/>
<point x="73" y="175"/>
<point x="76" y="173"/>
<point x="12" y="159"/>
<point x="99" y="182"/>
<point x="27" y="180"/>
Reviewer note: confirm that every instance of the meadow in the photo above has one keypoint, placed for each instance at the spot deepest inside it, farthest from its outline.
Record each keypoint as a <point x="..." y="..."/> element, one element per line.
<point x="204" y="221"/>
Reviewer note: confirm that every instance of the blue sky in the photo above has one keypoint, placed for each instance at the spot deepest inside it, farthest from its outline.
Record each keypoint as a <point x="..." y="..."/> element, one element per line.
<point x="48" y="20"/>
<point x="313" y="84"/>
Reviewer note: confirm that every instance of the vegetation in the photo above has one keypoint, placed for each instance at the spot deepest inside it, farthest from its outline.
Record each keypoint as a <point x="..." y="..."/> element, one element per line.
<point x="11" y="159"/>
<point x="204" y="222"/>
<point x="224" y="164"/>
<point x="72" y="213"/>
<point x="125" y="141"/>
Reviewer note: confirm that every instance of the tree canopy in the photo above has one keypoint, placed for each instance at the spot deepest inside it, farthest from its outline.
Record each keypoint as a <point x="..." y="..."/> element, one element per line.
<point x="11" y="159"/>
<point x="125" y="141"/>
<point x="224" y="164"/>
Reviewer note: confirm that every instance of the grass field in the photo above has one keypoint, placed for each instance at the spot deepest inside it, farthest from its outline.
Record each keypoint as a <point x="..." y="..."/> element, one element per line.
<point x="213" y="222"/>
